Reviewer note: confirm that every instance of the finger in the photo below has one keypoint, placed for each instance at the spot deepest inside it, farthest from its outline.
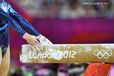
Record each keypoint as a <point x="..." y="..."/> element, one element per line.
<point x="36" y="42"/>
<point x="32" y="42"/>
<point x="33" y="48"/>
<point x="36" y="48"/>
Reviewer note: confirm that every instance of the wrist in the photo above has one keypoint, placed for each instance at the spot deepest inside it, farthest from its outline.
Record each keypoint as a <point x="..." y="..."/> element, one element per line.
<point x="25" y="35"/>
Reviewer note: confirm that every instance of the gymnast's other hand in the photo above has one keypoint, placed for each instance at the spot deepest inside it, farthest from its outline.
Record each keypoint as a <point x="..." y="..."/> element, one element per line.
<point x="43" y="40"/>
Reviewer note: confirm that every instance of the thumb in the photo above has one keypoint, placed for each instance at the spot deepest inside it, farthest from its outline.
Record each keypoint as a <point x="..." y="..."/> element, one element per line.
<point x="38" y="37"/>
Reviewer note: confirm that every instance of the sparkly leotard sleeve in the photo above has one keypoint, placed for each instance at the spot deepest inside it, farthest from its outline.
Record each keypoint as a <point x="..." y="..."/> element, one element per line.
<point x="18" y="23"/>
<point x="22" y="22"/>
<point x="9" y="17"/>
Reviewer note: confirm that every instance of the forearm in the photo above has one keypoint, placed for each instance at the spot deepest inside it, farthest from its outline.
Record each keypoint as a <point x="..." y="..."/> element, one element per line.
<point x="16" y="27"/>
<point x="24" y="24"/>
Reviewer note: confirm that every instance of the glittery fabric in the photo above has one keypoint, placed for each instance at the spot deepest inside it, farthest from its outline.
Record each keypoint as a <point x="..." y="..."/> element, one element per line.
<point x="8" y="16"/>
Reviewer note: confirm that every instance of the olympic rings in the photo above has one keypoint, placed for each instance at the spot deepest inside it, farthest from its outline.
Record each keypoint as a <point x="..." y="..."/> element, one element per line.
<point x="103" y="53"/>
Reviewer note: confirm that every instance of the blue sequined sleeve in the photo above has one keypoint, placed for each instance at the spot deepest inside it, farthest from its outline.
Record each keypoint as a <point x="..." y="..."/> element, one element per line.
<point x="22" y="22"/>
<point x="13" y="23"/>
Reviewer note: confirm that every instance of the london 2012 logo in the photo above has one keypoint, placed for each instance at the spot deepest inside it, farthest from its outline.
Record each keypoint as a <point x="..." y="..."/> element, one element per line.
<point x="103" y="53"/>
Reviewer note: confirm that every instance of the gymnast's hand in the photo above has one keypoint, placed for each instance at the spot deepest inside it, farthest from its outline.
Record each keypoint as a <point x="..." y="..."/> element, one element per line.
<point x="31" y="39"/>
<point x="35" y="41"/>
